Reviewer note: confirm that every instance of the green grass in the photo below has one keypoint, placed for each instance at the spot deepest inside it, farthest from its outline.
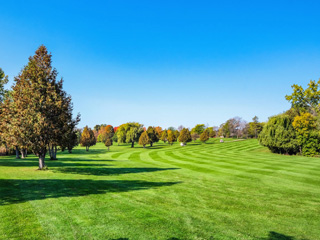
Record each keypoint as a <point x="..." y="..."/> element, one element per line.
<point x="231" y="190"/>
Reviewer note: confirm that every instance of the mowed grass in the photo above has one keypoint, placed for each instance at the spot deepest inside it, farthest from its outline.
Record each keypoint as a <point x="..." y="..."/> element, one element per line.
<point x="231" y="190"/>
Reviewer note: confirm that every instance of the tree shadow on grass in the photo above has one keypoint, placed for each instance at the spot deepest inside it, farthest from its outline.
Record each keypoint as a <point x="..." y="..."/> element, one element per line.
<point x="278" y="236"/>
<point x="83" y="151"/>
<point x="33" y="162"/>
<point x="108" y="171"/>
<point x="16" y="191"/>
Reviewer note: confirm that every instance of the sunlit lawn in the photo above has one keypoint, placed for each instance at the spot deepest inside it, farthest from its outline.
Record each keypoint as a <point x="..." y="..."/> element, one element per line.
<point x="231" y="190"/>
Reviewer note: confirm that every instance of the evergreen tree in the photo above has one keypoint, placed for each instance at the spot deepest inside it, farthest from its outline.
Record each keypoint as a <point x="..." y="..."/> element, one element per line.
<point x="3" y="80"/>
<point x="38" y="107"/>
<point x="144" y="139"/>
<point x="279" y="135"/>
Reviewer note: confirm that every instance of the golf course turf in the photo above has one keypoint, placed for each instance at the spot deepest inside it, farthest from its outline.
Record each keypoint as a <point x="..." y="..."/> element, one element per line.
<point x="231" y="190"/>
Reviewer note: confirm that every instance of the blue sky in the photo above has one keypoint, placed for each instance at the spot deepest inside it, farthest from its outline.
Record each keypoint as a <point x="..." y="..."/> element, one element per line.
<point x="168" y="62"/>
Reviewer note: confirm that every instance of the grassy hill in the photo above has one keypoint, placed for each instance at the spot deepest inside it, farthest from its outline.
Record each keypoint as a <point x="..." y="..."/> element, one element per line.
<point x="231" y="190"/>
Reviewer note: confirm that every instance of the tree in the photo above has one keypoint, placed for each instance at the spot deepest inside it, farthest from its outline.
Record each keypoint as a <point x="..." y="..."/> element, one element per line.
<point x="152" y="134"/>
<point x="185" y="136"/>
<point x="3" y="80"/>
<point x="87" y="138"/>
<point x="204" y="136"/>
<point x="105" y="132"/>
<point x="38" y="106"/>
<point x="108" y="143"/>
<point x="158" y="131"/>
<point x="115" y="138"/>
<point x="307" y="134"/>
<point x="306" y="99"/>
<point x="255" y="127"/>
<point x="224" y="129"/>
<point x="212" y="132"/>
<point x="121" y="133"/>
<point x="144" y="139"/>
<point x="176" y="134"/>
<point x="72" y="140"/>
<point x="171" y="137"/>
<point x="194" y="136"/>
<point x="129" y="132"/>
<point x="171" y="129"/>
<point x="279" y="135"/>
<point x="199" y="128"/>
<point x="164" y="136"/>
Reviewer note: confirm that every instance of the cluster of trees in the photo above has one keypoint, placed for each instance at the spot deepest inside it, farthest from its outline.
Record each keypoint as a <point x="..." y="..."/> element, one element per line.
<point x="237" y="127"/>
<point x="296" y="131"/>
<point x="36" y="114"/>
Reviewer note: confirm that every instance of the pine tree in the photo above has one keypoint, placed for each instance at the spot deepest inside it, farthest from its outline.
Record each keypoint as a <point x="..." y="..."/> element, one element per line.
<point x="3" y="80"/>
<point x="38" y="106"/>
<point x="144" y="139"/>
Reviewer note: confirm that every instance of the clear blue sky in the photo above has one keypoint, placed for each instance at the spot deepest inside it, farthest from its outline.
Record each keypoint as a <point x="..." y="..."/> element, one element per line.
<point x="168" y="62"/>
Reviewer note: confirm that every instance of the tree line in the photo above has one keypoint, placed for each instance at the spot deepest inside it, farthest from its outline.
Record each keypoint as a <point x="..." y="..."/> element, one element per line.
<point x="133" y="132"/>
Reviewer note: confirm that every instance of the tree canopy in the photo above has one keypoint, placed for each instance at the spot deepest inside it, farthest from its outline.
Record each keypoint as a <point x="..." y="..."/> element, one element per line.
<point x="39" y="111"/>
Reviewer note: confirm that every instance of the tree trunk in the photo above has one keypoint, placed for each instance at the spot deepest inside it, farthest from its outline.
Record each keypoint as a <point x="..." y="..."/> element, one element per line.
<point x="144" y="146"/>
<point x="41" y="161"/>
<point x="108" y="148"/>
<point x="70" y="150"/>
<point x="87" y="148"/>
<point x="50" y="151"/>
<point x="17" y="153"/>
<point x="53" y="153"/>
<point x="23" y="153"/>
<point x="151" y="144"/>
<point x="7" y="151"/>
<point x="132" y="144"/>
<point x="26" y="152"/>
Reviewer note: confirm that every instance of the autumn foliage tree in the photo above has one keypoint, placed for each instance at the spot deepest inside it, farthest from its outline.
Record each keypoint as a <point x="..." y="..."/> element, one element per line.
<point x="144" y="139"/>
<point x="158" y="131"/>
<point x="185" y="136"/>
<point x="108" y="143"/>
<point x="87" y="138"/>
<point x="164" y="136"/>
<point x="171" y="137"/>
